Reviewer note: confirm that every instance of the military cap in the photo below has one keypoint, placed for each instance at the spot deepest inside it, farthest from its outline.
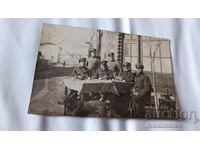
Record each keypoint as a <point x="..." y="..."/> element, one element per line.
<point x="104" y="62"/>
<point x="139" y="66"/>
<point x="83" y="59"/>
<point x="127" y="64"/>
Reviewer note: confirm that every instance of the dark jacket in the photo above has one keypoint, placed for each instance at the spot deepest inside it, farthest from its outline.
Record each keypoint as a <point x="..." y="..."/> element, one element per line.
<point x="103" y="74"/>
<point x="128" y="76"/>
<point x="84" y="72"/>
<point x="143" y="86"/>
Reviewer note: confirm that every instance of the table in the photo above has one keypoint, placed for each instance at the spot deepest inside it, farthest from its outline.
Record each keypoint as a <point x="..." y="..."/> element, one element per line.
<point x="114" y="87"/>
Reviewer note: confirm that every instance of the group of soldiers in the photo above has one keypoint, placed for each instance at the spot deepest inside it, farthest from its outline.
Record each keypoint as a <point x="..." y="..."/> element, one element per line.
<point x="93" y="68"/>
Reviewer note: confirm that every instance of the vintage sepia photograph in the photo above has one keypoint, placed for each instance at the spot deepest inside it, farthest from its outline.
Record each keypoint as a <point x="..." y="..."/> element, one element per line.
<point x="89" y="72"/>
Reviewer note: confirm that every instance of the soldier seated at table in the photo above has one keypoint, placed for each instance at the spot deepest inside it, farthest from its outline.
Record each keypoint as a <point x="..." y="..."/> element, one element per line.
<point x="142" y="90"/>
<point x="103" y="72"/>
<point x="81" y="72"/>
<point x="113" y="65"/>
<point x="126" y="74"/>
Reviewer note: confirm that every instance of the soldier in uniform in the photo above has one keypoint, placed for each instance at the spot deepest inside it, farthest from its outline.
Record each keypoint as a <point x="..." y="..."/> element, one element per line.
<point x="121" y="103"/>
<point x="93" y="62"/>
<point x="103" y="72"/>
<point x="81" y="72"/>
<point x="142" y="90"/>
<point x="113" y="65"/>
<point x="126" y="74"/>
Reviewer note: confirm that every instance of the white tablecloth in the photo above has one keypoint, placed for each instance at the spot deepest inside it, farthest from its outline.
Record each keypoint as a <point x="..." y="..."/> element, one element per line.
<point x="99" y="86"/>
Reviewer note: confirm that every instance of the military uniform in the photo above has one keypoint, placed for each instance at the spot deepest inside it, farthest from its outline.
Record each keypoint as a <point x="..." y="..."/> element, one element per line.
<point x="121" y="103"/>
<point x="81" y="72"/>
<point x="84" y="72"/>
<point x="143" y="87"/>
<point x="113" y="65"/>
<point x="128" y="76"/>
<point x="141" y="93"/>
<point x="103" y="74"/>
<point x="93" y="64"/>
